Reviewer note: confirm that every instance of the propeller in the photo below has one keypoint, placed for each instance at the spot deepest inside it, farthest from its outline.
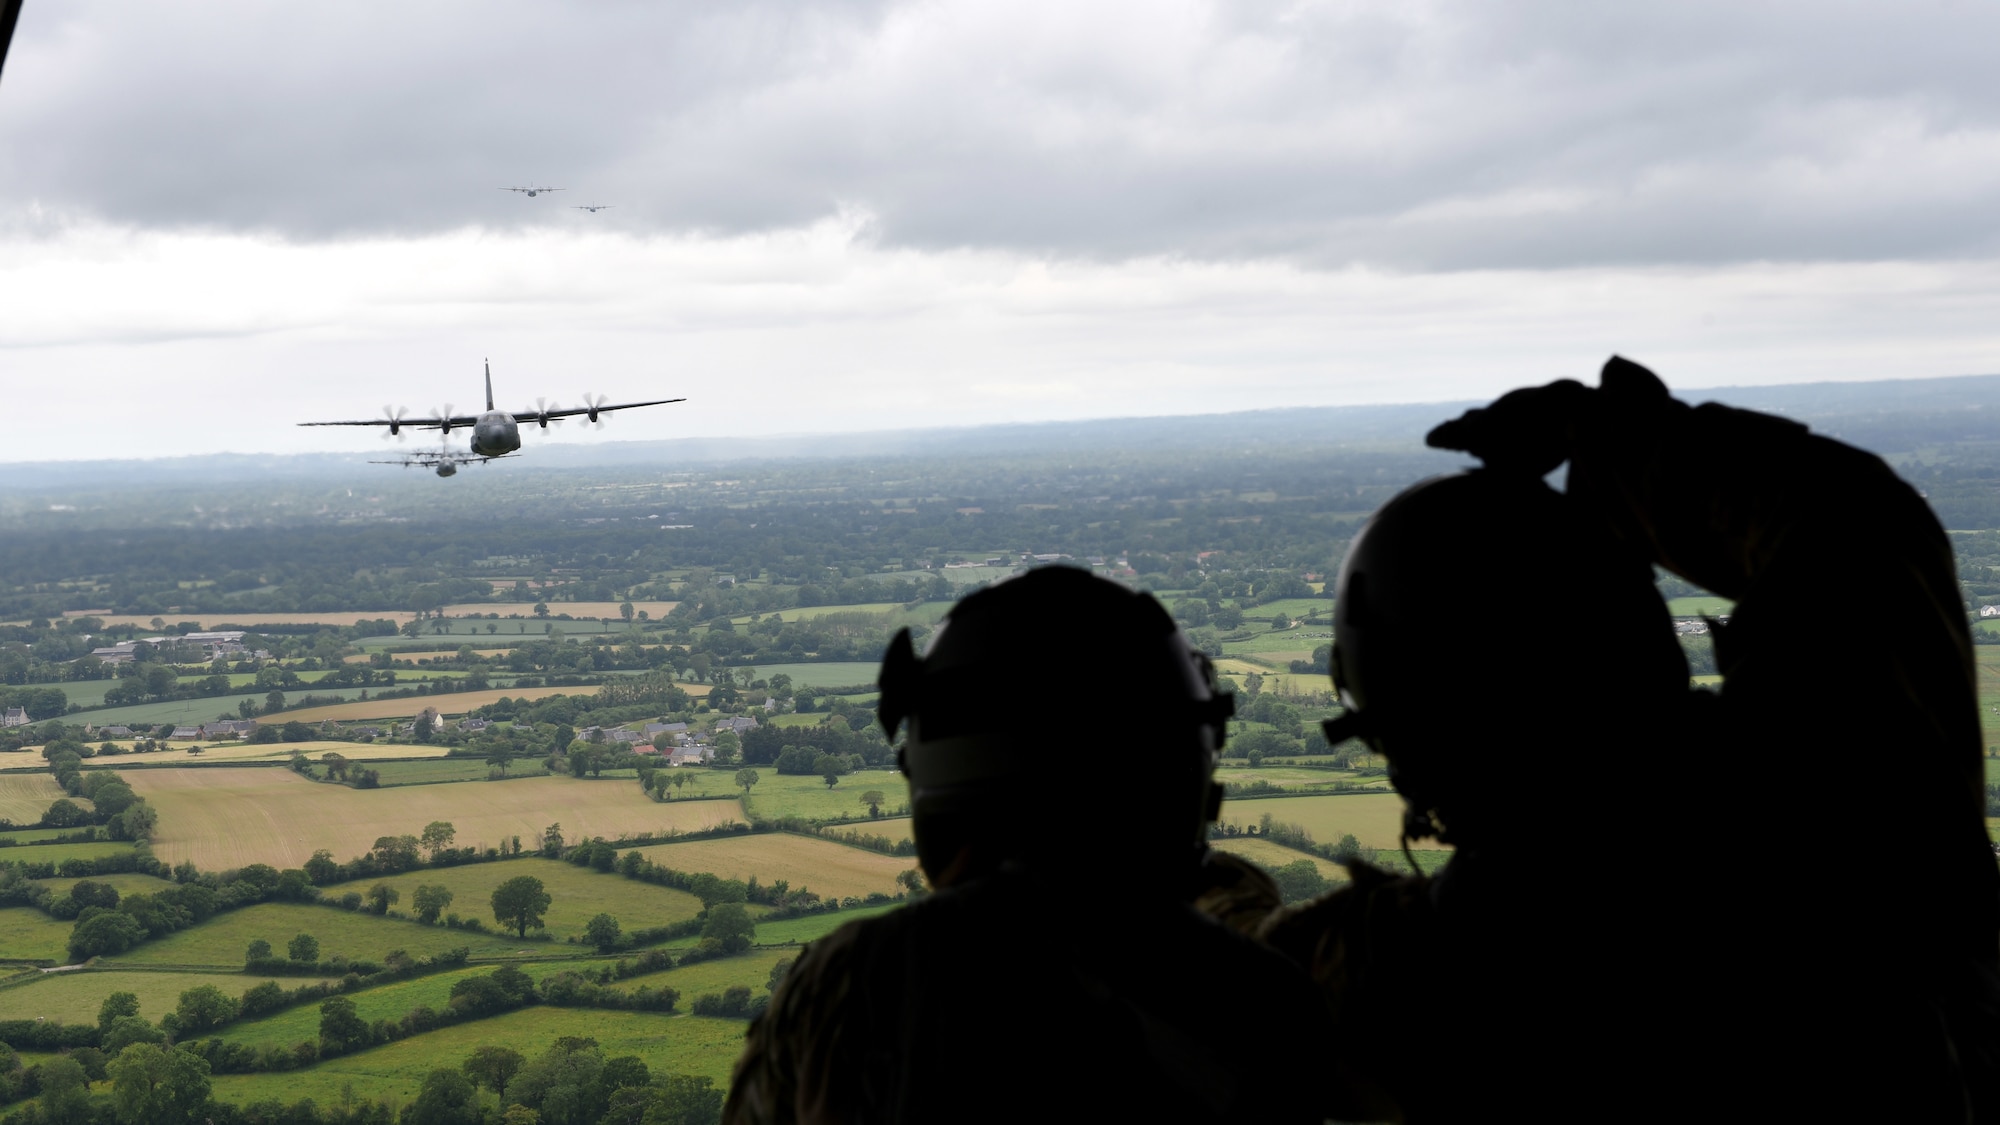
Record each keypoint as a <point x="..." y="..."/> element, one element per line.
<point x="591" y="404"/>
<point x="542" y="408"/>
<point x="394" y="416"/>
<point x="443" y="419"/>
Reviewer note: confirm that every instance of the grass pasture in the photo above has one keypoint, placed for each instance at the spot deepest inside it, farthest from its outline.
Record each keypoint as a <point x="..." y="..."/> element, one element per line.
<point x="219" y="942"/>
<point x="30" y="836"/>
<point x="27" y="934"/>
<point x="840" y="673"/>
<point x="668" y="1044"/>
<point x="607" y="610"/>
<point x="815" y="926"/>
<point x="449" y="703"/>
<point x="929" y="613"/>
<point x="193" y="711"/>
<point x="74" y="997"/>
<point x="250" y="621"/>
<point x="1701" y="605"/>
<point x="1272" y="856"/>
<point x="777" y="794"/>
<point x="577" y="894"/>
<point x="437" y="770"/>
<point x="56" y="853"/>
<point x="234" y="751"/>
<point x="830" y="869"/>
<point x="223" y="818"/>
<point x="24" y="797"/>
<point x="1294" y="777"/>
<point x="390" y="1001"/>
<point x="129" y="883"/>
<point x="1376" y="820"/>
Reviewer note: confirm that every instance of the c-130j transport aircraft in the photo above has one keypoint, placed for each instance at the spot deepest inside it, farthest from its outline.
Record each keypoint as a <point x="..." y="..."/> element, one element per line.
<point x="495" y="433"/>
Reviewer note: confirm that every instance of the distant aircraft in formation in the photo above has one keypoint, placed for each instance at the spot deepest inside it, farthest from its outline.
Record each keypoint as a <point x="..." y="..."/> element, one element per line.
<point x="532" y="192"/>
<point x="593" y="208"/>
<point x="495" y="433"/>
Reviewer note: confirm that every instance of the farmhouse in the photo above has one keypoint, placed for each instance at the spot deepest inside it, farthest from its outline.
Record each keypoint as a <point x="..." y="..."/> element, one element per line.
<point x="1989" y="611"/>
<point x="123" y="651"/>
<point x="114" y="732"/>
<point x="16" y="717"/>
<point x="188" y="734"/>
<point x="738" y="725"/>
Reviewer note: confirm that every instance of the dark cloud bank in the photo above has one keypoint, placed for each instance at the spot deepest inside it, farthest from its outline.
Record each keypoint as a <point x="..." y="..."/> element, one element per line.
<point x="1418" y="136"/>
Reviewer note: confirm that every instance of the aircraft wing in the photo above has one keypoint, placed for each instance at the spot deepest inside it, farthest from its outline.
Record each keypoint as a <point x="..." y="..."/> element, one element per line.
<point x="456" y="421"/>
<point x="432" y="459"/>
<point x="571" y="412"/>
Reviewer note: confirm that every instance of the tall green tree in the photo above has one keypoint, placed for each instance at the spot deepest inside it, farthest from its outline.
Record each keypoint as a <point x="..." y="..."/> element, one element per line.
<point x="520" y="902"/>
<point x="430" y="902"/>
<point x="153" y="1084"/>
<point x="493" y="1067"/>
<point x="65" y="1092"/>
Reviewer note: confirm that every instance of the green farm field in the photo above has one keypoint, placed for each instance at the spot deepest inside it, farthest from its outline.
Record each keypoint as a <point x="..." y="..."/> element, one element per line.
<point x="1287" y="644"/>
<point x="56" y="853"/>
<point x="776" y="795"/>
<point x="234" y="751"/>
<point x="451" y="769"/>
<point x="219" y="942"/>
<point x="83" y="693"/>
<point x="129" y="883"/>
<point x="1295" y="777"/>
<point x="813" y="927"/>
<point x="832" y="870"/>
<point x="1297" y="608"/>
<point x="928" y="613"/>
<point x="390" y="1001"/>
<point x="223" y="818"/>
<point x="845" y="673"/>
<point x="668" y="1044"/>
<point x="27" y="934"/>
<point x="24" y="797"/>
<point x="75" y="997"/>
<point x="577" y="894"/>
<point x="448" y="704"/>
<point x="1703" y="605"/>
<point x="193" y="711"/>
<point x="1271" y="856"/>
<point x="1376" y="820"/>
<point x="29" y="836"/>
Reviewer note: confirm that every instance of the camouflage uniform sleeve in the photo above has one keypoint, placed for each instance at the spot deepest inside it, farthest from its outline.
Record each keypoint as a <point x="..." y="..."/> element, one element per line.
<point x="1235" y="892"/>
<point x="1365" y="946"/>
<point x="787" y="1071"/>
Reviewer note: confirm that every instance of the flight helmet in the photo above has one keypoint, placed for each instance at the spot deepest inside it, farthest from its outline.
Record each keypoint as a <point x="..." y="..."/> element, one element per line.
<point x="1503" y="651"/>
<point x="1032" y="684"/>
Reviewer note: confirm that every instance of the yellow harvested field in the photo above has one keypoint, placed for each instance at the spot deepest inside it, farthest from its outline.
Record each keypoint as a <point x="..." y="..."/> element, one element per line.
<point x="1272" y="856"/>
<point x="829" y="869"/>
<point x="267" y="752"/>
<point x="24" y="797"/>
<point x="574" y="609"/>
<point x="218" y="621"/>
<point x="1373" y="819"/>
<point x="222" y="818"/>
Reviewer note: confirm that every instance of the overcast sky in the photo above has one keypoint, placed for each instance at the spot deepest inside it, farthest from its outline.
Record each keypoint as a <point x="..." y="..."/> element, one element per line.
<point x="220" y="218"/>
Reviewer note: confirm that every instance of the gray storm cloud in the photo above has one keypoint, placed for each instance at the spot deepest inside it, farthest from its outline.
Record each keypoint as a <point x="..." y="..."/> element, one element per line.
<point x="1410" y="135"/>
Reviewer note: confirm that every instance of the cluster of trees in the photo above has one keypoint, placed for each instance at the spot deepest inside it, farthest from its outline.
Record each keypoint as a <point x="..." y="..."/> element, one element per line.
<point x="114" y="805"/>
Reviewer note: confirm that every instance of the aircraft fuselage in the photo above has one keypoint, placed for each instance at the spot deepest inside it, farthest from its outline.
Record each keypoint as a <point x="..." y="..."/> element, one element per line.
<point x="495" y="434"/>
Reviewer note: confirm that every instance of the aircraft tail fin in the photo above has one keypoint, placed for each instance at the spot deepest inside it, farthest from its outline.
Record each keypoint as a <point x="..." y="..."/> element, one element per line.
<point x="489" y="384"/>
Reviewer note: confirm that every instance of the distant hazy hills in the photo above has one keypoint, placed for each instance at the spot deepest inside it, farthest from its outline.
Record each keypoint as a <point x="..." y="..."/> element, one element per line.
<point x="1890" y="416"/>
